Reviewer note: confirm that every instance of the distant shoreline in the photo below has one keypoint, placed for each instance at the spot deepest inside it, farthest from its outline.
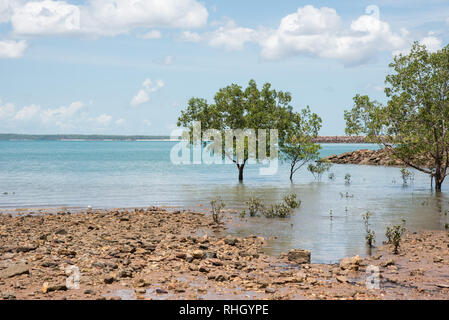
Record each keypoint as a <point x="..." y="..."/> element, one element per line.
<point x="80" y="137"/>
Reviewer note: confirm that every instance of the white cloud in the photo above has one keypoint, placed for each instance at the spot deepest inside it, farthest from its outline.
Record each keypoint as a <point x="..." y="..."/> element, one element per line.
<point x="12" y="49"/>
<point x="120" y="121"/>
<point x="143" y="95"/>
<point x="188" y="36"/>
<point x="168" y="60"/>
<point x="27" y="112"/>
<point x="153" y="34"/>
<point x="319" y="32"/>
<point x="104" y="119"/>
<point x="61" y="113"/>
<point x="147" y="123"/>
<point x="46" y="17"/>
<point x="7" y="110"/>
<point x="431" y="42"/>
<point x="232" y="37"/>
<point x="104" y="17"/>
<point x="7" y="8"/>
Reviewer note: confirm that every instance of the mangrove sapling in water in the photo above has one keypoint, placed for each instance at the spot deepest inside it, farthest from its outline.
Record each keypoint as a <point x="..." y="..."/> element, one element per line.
<point x="394" y="235"/>
<point x="216" y="206"/>
<point x="370" y="234"/>
<point x="331" y="176"/>
<point x="407" y="176"/>
<point x="319" y="168"/>
<point x="278" y="210"/>
<point x="348" y="178"/>
<point x="254" y="206"/>
<point x="290" y="200"/>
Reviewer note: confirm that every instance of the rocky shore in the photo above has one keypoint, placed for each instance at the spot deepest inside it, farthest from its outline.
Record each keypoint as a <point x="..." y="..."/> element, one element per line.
<point x="154" y="253"/>
<point x="340" y="139"/>
<point x="381" y="157"/>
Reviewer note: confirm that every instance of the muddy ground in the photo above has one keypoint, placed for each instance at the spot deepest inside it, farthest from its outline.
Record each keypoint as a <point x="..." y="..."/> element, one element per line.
<point x="154" y="253"/>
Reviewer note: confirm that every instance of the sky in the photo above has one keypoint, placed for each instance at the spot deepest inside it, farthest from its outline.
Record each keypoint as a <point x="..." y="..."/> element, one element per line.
<point x="130" y="66"/>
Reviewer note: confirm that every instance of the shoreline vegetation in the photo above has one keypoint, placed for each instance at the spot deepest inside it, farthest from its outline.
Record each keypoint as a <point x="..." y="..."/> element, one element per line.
<point x="155" y="253"/>
<point x="83" y="137"/>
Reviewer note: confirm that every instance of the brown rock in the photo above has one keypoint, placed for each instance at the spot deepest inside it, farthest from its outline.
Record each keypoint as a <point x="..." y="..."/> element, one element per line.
<point x="351" y="263"/>
<point x="14" y="270"/>
<point x="299" y="256"/>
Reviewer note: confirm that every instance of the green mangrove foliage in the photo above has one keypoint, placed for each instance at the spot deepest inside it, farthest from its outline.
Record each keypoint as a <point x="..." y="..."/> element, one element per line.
<point x="394" y="235"/>
<point x="298" y="147"/>
<point x="318" y="168"/>
<point x="413" y="124"/>
<point x="278" y="210"/>
<point x="407" y="176"/>
<point x="217" y="206"/>
<point x="247" y="108"/>
<point x="370" y="234"/>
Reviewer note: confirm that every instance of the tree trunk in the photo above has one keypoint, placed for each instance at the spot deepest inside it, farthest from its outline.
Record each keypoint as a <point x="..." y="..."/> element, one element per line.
<point x="438" y="183"/>
<point x="240" y="167"/>
<point x="291" y="175"/>
<point x="439" y="177"/>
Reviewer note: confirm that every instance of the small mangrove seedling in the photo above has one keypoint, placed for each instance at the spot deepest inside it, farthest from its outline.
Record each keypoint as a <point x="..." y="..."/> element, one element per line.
<point x="330" y="214"/>
<point x="290" y="200"/>
<point x="216" y="206"/>
<point x="407" y="176"/>
<point x="394" y="235"/>
<point x="370" y="234"/>
<point x="278" y="210"/>
<point x="331" y="176"/>
<point x="254" y="206"/>
<point x="319" y="168"/>
<point x="348" y="178"/>
<point x="243" y="214"/>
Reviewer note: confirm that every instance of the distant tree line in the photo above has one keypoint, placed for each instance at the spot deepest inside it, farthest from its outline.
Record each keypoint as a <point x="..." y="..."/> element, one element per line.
<point x="53" y="137"/>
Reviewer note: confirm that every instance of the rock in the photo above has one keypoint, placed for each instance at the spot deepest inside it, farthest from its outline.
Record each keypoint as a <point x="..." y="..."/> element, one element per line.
<point x="161" y="291"/>
<point x="216" y="262"/>
<point x="61" y="231"/>
<point x="387" y="263"/>
<point x="231" y="241"/>
<point x="351" y="263"/>
<point x="198" y="254"/>
<point x="49" y="264"/>
<point x="299" y="256"/>
<point x="210" y="254"/>
<point x="68" y="253"/>
<point x="14" y="270"/>
<point x="125" y="273"/>
<point x="181" y="255"/>
<point x="342" y="279"/>
<point x="204" y="269"/>
<point x="109" y="279"/>
<point x="270" y="290"/>
<point x="189" y="258"/>
<point x="8" y="296"/>
<point x="46" y="287"/>
<point x="221" y="278"/>
<point x="437" y="259"/>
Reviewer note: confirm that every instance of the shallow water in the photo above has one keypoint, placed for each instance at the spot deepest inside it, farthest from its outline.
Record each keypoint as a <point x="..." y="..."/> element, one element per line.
<point x="127" y="174"/>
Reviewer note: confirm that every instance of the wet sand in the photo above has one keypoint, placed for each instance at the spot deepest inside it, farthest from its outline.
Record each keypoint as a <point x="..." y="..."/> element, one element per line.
<point x="154" y="253"/>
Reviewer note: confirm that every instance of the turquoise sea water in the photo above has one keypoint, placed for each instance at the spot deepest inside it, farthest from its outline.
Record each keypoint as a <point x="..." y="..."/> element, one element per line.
<point x="127" y="174"/>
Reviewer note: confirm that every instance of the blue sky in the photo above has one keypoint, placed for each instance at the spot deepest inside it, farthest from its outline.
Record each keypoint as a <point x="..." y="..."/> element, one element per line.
<point x="123" y="67"/>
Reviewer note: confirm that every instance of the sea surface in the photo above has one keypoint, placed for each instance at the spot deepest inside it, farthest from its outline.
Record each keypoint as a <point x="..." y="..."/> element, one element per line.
<point x="107" y="174"/>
